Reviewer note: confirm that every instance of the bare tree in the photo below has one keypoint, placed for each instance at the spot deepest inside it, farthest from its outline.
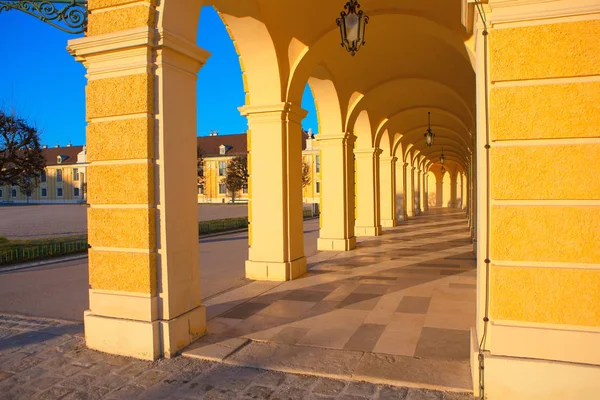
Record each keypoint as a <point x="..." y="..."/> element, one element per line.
<point x="237" y="175"/>
<point x="21" y="158"/>
<point x="27" y="185"/>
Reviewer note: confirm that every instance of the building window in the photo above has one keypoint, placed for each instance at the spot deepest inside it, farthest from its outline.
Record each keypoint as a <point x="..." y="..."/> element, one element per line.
<point x="222" y="168"/>
<point x="222" y="150"/>
<point x="1" y="193"/>
<point x="44" y="192"/>
<point x="318" y="189"/>
<point x="59" y="192"/>
<point x="75" y="174"/>
<point x="76" y="192"/>
<point x="222" y="188"/>
<point x="245" y="189"/>
<point x="59" y="175"/>
<point x="201" y="188"/>
<point x="13" y="192"/>
<point x="43" y="176"/>
<point x="317" y="164"/>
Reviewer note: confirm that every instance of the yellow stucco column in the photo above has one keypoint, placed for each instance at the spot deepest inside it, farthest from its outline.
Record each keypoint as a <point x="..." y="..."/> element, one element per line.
<point x="439" y="191"/>
<point x="276" y="234"/>
<point x="142" y="221"/>
<point x="539" y="228"/>
<point x="337" y="192"/>
<point x="454" y="190"/>
<point x="425" y="197"/>
<point x="399" y="191"/>
<point x="410" y="191"/>
<point x="388" y="191"/>
<point x="367" y="181"/>
<point x="405" y="189"/>
<point x="420" y="191"/>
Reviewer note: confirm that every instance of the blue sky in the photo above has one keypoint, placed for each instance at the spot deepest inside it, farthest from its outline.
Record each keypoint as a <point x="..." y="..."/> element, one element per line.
<point x="44" y="83"/>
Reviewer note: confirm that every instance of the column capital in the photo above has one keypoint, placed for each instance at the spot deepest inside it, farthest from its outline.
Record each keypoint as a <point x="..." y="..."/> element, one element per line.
<point x="335" y="138"/>
<point x="390" y="159"/>
<point x="369" y="152"/>
<point x="273" y="112"/>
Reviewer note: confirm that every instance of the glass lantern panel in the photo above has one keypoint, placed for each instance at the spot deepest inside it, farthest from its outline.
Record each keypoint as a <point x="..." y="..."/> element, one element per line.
<point x="351" y="22"/>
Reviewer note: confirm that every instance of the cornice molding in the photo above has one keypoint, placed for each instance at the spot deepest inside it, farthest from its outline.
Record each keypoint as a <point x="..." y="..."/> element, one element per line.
<point x="123" y="40"/>
<point x="183" y="46"/>
<point x="504" y="11"/>
<point x="284" y="111"/>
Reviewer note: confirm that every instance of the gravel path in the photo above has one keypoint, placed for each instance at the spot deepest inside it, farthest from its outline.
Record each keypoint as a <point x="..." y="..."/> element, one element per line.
<point x="34" y="221"/>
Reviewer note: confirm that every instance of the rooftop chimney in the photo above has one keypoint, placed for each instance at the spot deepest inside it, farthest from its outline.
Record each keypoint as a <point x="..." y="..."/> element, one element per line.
<point x="69" y="144"/>
<point x="57" y="145"/>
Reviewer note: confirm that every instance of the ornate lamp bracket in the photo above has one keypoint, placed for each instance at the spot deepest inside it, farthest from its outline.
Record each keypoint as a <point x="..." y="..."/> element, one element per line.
<point x="69" y="16"/>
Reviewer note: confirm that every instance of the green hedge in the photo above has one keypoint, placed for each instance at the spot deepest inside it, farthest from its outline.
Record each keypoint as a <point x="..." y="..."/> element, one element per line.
<point x="19" y="251"/>
<point x="221" y="225"/>
<point x="229" y="224"/>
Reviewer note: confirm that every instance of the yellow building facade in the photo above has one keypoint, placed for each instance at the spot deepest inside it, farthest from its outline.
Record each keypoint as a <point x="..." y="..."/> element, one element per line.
<point x="512" y="87"/>
<point x="218" y="150"/>
<point x="62" y="182"/>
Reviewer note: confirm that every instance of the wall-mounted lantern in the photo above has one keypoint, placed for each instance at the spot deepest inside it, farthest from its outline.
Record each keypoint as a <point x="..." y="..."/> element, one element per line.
<point x="352" y="23"/>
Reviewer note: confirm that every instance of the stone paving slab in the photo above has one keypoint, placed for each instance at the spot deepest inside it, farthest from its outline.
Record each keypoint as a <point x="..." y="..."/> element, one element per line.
<point x="338" y="364"/>
<point x="47" y="359"/>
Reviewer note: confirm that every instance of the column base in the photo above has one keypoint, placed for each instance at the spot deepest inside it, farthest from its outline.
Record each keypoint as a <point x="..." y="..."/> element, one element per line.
<point x="524" y="379"/>
<point x="324" y="244"/>
<point x="275" y="271"/>
<point x="367" y="230"/>
<point x="389" y="223"/>
<point x="146" y="340"/>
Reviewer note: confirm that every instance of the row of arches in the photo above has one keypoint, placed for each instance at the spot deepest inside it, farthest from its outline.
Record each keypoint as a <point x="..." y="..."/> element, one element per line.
<point x="372" y="113"/>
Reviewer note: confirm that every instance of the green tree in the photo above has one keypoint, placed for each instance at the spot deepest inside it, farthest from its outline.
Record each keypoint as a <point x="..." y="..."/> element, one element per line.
<point x="306" y="175"/>
<point x="21" y="158"/>
<point x="237" y="175"/>
<point x="201" y="177"/>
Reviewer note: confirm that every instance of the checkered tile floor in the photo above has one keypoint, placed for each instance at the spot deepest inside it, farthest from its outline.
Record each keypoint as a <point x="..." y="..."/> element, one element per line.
<point x="409" y="292"/>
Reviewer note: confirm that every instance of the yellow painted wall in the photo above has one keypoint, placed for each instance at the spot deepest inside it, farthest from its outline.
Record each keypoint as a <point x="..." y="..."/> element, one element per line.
<point x="545" y="222"/>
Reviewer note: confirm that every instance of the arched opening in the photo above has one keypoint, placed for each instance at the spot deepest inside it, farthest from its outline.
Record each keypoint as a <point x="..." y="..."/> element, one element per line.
<point x="446" y="190"/>
<point x="223" y="139"/>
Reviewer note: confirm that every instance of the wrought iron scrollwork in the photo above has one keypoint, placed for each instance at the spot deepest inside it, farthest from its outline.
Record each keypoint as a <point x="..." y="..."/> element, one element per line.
<point x="70" y="16"/>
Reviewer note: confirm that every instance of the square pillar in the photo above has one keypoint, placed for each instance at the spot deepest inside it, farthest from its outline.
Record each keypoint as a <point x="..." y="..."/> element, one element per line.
<point x="367" y="181"/>
<point x="388" y="191"/>
<point x="337" y="192"/>
<point x="410" y="190"/>
<point x="141" y="186"/>
<point x="426" y="191"/>
<point x="538" y="224"/>
<point x="400" y="191"/>
<point x="276" y="234"/>
<point x="406" y="189"/>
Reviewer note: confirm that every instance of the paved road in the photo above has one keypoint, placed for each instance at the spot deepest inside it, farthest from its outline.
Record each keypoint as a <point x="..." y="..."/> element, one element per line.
<point x="61" y="290"/>
<point x="26" y="222"/>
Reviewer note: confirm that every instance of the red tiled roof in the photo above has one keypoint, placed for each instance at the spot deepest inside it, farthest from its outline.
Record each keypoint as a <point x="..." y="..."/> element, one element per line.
<point x="236" y="144"/>
<point x="69" y="154"/>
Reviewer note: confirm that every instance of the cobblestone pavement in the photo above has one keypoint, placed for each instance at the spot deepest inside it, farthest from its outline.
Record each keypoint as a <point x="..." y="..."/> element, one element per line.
<point x="47" y="359"/>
